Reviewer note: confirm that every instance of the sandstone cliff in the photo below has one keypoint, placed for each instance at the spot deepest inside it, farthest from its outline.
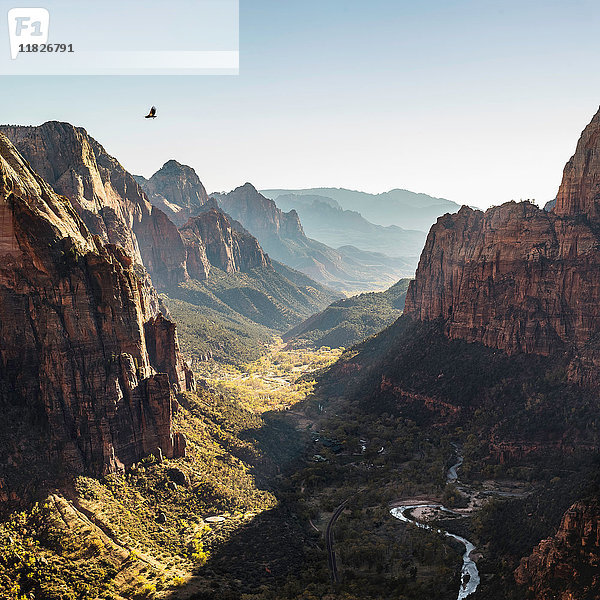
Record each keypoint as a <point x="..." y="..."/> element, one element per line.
<point x="106" y="196"/>
<point x="73" y="318"/>
<point x="113" y="206"/>
<point x="579" y="192"/>
<point x="567" y="565"/>
<point x="225" y="247"/>
<point x="516" y="277"/>
<point x="177" y="190"/>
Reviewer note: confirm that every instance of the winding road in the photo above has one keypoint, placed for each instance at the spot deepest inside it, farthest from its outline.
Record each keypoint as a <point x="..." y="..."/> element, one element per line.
<point x="329" y="541"/>
<point x="469" y="575"/>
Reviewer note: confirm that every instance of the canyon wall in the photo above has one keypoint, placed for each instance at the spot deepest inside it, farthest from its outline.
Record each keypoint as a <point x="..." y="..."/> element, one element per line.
<point x="224" y="247"/>
<point x="73" y="313"/>
<point x="106" y="197"/>
<point x="114" y="206"/>
<point x="516" y="277"/>
<point x="566" y="566"/>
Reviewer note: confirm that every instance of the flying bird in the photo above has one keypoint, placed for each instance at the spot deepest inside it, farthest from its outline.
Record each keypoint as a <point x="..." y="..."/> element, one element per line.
<point x="151" y="114"/>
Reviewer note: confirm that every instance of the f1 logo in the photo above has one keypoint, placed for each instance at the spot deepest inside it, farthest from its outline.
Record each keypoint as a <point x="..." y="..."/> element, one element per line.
<point x="27" y="26"/>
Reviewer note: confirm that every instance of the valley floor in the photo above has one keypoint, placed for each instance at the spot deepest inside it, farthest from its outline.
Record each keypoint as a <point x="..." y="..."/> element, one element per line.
<point x="281" y="477"/>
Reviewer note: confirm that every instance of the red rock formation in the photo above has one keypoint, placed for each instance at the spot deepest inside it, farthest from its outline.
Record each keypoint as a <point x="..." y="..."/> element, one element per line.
<point x="566" y="566"/>
<point x="106" y="196"/>
<point x="224" y="247"/>
<point x="579" y="193"/>
<point x="163" y="349"/>
<point x="444" y="409"/>
<point x="162" y="249"/>
<point x="72" y="313"/>
<point x="177" y="190"/>
<point x="112" y="204"/>
<point x="516" y="277"/>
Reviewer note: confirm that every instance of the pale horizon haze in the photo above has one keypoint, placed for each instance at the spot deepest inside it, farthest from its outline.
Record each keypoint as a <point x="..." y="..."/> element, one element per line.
<point x="475" y="101"/>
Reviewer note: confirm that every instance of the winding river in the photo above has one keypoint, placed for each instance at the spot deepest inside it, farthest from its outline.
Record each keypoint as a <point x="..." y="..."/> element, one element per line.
<point x="470" y="574"/>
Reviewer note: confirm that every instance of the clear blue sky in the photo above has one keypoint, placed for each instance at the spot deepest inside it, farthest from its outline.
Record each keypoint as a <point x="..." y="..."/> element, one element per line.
<point x="478" y="101"/>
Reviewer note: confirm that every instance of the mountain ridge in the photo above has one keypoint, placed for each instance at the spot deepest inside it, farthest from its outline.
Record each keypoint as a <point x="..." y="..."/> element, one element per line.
<point x="350" y="320"/>
<point x="281" y="235"/>
<point x="328" y="223"/>
<point x="406" y="209"/>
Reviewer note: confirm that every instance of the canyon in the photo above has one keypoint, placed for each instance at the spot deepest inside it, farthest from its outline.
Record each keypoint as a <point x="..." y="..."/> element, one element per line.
<point x="497" y="347"/>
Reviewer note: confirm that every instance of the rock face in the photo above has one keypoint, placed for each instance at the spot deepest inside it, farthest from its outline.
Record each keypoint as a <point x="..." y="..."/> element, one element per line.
<point x="516" y="277"/>
<point x="113" y="206"/>
<point x="226" y="248"/>
<point x="259" y="215"/>
<point x="579" y="192"/>
<point x="164" y="354"/>
<point x="105" y="195"/>
<point x="163" y="250"/>
<point x="566" y="566"/>
<point x="73" y="313"/>
<point x="177" y="190"/>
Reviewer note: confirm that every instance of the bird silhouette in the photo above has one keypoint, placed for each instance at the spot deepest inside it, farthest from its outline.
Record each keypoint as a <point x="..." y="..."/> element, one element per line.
<point x="151" y="114"/>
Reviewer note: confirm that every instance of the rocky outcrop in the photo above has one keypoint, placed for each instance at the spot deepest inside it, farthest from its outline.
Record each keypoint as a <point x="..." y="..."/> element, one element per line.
<point x="163" y="250"/>
<point x="163" y="350"/>
<point x="579" y="192"/>
<point x="567" y="565"/>
<point x="516" y="277"/>
<point x="105" y="195"/>
<point x="224" y="247"/>
<point x="259" y="215"/>
<point x="177" y="190"/>
<point x="74" y="353"/>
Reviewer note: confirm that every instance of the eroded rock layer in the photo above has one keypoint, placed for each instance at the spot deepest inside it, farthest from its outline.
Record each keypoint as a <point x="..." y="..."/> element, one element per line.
<point x="224" y="247"/>
<point x="72" y="315"/>
<point x="105" y="195"/>
<point x="516" y="277"/>
<point x="567" y="565"/>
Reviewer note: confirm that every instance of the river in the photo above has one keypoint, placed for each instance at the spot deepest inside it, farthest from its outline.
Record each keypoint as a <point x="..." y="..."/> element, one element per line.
<point x="469" y="575"/>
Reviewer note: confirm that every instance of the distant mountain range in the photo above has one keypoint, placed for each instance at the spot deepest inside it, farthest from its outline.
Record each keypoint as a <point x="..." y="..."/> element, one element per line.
<point x="325" y="220"/>
<point x="178" y="192"/>
<point x="347" y="268"/>
<point x="314" y="233"/>
<point x="402" y="208"/>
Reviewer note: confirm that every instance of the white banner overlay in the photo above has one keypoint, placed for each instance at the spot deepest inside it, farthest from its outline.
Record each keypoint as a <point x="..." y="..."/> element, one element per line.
<point x="181" y="37"/>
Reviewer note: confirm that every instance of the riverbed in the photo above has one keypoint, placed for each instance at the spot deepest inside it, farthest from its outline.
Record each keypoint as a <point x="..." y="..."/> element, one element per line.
<point x="469" y="574"/>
